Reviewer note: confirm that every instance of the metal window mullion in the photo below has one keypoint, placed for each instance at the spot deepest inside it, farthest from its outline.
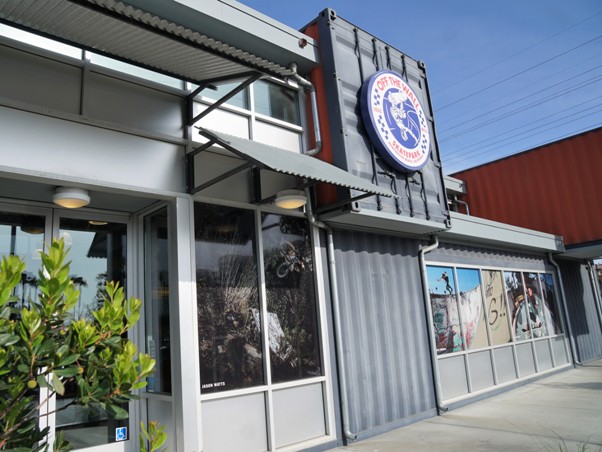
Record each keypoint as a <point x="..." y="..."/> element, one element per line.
<point x="487" y="325"/>
<point x="265" y="339"/>
<point x="509" y="320"/>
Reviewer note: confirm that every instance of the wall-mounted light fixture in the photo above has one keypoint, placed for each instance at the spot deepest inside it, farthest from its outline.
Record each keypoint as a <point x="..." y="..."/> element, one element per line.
<point x="71" y="198"/>
<point x="290" y="199"/>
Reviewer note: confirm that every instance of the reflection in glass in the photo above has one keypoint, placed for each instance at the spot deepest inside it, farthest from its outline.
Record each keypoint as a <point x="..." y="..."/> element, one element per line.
<point x="497" y="312"/>
<point x="98" y="255"/>
<point x="230" y="344"/>
<point x="23" y="236"/>
<point x="550" y="307"/>
<point x="291" y="301"/>
<point x="156" y="308"/>
<point x="535" y="305"/>
<point x="471" y="308"/>
<point x="276" y="101"/>
<point x="518" y="308"/>
<point x="446" y="324"/>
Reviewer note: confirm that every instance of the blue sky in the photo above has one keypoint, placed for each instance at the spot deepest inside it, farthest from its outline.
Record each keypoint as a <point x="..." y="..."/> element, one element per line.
<point x="505" y="76"/>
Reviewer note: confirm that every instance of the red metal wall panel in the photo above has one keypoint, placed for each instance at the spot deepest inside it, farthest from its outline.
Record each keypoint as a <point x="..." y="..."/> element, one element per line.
<point x="555" y="188"/>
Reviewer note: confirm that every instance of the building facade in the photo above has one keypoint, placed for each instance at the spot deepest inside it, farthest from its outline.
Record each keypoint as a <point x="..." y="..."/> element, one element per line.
<point x="276" y="198"/>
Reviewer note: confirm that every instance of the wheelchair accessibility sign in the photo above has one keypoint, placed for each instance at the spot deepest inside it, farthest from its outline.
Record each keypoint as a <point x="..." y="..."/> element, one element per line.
<point x="121" y="434"/>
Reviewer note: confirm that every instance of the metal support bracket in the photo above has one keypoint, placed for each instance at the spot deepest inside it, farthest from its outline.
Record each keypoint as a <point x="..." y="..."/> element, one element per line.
<point x="250" y="78"/>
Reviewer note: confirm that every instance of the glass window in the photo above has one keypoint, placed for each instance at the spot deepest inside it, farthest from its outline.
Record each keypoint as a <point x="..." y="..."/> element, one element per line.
<point x="230" y="343"/>
<point x="548" y="294"/>
<point x="276" y="101"/>
<point x="239" y="100"/>
<point x="518" y="308"/>
<point x="446" y="323"/>
<point x="497" y="312"/>
<point x="291" y="302"/>
<point x="39" y="41"/>
<point x="23" y="235"/>
<point x="471" y="308"/>
<point x="156" y="306"/>
<point x="97" y="254"/>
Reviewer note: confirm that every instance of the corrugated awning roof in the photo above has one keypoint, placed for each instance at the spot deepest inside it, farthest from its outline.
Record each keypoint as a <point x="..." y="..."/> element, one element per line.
<point x="133" y="35"/>
<point x="292" y="163"/>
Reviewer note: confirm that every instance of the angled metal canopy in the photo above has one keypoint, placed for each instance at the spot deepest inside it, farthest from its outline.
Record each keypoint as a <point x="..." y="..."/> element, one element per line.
<point x="258" y="156"/>
<point x="134" y="35"/>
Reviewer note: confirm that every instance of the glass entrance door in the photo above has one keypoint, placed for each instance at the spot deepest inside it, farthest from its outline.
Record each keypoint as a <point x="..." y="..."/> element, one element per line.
<point x="98" y="254"/>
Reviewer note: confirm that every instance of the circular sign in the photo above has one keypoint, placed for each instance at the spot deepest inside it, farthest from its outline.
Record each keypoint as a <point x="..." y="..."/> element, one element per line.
<point x="395" y="121"/>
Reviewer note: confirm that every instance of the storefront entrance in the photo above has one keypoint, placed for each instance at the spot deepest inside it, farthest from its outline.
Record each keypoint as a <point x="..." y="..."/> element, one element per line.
<point x="98" y="253"/>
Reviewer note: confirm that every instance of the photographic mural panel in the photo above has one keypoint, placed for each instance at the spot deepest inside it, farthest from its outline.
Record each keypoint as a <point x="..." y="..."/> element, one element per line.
<point x="497" y="311"/>
<point x="472" y="313"/>
<point x="548" y="293"/>
<point x="515" y="295"/>
<point x="446" y="323"/>
<point x="291" y="302"/>
<point x="230" y="345"/>
<point x="535" y="305"/>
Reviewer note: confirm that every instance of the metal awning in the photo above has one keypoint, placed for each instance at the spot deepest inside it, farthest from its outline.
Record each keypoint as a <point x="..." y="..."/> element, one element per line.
<point x="131" y="34"/>
<point x="259" y="156"/>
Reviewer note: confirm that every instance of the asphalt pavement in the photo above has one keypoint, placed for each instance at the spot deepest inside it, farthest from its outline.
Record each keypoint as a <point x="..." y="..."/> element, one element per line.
<point x="562" y="412"/>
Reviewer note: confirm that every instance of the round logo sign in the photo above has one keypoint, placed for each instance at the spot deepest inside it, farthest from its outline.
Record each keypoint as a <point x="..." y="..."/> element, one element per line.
<point x="395" y="121"/>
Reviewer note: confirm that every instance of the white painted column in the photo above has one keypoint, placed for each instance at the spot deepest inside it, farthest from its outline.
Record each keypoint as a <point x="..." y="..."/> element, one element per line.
<point x="183" y="324"/>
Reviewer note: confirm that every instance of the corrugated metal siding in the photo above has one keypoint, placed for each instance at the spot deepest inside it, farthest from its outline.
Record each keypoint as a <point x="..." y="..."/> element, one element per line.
<point x="349" y="57"/>
<point x="583" y="315"/>
<point x="487" y="257"/>
<point x="553" y="188"/>
<point x="386" y="351"/>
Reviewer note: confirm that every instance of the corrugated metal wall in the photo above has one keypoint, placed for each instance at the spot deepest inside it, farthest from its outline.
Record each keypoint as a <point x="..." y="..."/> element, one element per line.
<point x="349" y="56"/>
<point x="553" y="188"/>
<point x="583" y="315"/>
<point x="386" y="351"/>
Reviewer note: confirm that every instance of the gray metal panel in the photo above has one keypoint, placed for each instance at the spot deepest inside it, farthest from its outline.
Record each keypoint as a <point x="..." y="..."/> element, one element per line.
<point x="385" y="342"/>
<point x="299" y="414"/>
<point x="454" y="382"/>
<point x="224" y="419"/>
<point x="487" y="257"/>
<point x="504" y="364"/>
<point x="352" y="56"/>
<point x="526" y="362"/>
<point x="133" y="105"/>
<point x="481" y="372"/>
<point x="117" y="29"/>
<point x="70" y="151"/>
<point x="36" y="80"/>
<point x="544" y="355"/>
<point x="559" y="349"/>
<point x="583" y="316"/>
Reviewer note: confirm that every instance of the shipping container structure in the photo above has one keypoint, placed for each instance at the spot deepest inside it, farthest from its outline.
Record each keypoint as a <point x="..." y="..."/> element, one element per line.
<point x="277" y="200"/>
<point x="552" y="188"/>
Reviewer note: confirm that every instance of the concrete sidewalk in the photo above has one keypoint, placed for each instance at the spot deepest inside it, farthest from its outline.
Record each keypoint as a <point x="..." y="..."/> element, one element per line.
<point x="562" y="412"/>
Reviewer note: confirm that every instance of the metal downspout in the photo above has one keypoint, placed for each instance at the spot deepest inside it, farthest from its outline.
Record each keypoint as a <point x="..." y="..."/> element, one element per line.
<point x="429" y="318"/>
<point x="334" y="295"/>
<point x="595" y="288"/>
<point x="314" y="108"/>
<point x="564" y="309"/>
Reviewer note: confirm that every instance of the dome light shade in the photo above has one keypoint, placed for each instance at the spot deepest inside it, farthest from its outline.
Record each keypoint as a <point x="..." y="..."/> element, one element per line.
<point x="290" y="199"/>
<point x="71" y="198"/>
